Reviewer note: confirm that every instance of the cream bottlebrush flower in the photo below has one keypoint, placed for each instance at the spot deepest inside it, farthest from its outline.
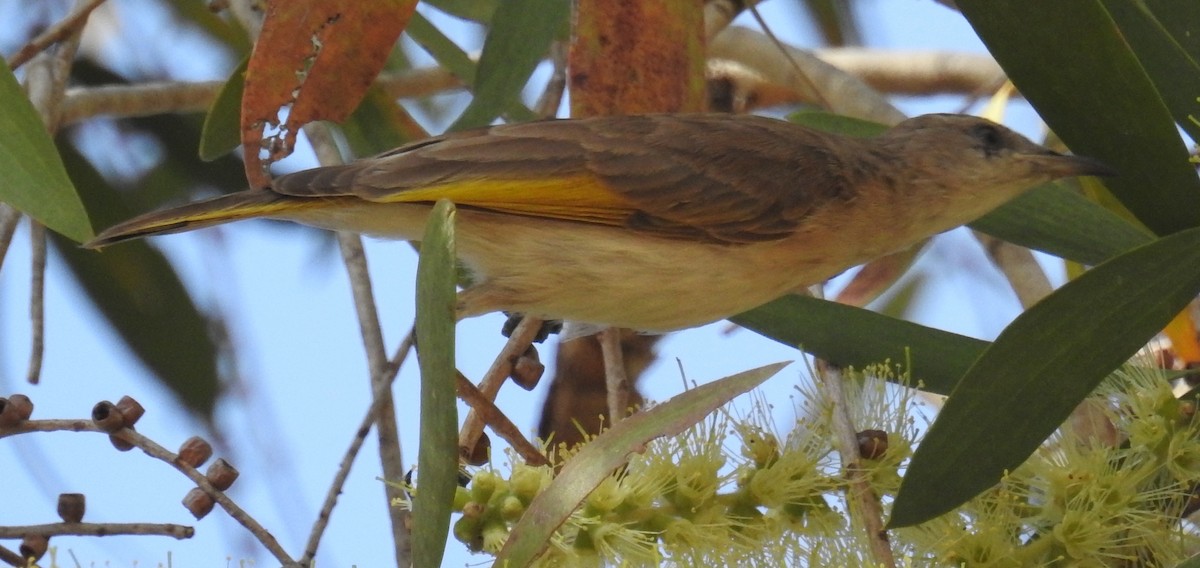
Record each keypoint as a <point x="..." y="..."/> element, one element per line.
<point x="1103" y="491"/>
<point x="1106" y="490"/>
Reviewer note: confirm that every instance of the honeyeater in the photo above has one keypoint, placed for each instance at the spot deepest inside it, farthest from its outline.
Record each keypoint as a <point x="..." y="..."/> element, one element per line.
<point x="655" y="222"/>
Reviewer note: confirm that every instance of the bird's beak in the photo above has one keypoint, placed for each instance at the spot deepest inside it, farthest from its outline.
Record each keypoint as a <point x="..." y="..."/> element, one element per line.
<point x="1061" y="165"/>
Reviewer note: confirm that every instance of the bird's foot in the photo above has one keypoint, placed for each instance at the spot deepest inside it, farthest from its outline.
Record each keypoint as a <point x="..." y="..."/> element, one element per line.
<point x="548" y="327"/>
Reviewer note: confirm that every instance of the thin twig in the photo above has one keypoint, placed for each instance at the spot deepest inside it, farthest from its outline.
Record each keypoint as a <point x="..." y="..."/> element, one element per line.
<point x="360" y="436"/>
<point x="47" y="425"/>
<point x="10" y="557"/>
<point x="547" y="104"/>
<point x="887" y="71"/>
<point x="37" y="302"/>
<point x="845" y="439"/>
<point x="615" y="378"/>
<point x="387" y="431"/>
<point x="385" y="418"/>
<point x="179" y="532"/>
<point x="498" y="421"/>
<point x="845" y="93"/>
<point x="789" y="54"/>
<point x="46" y="82"/>
<point x="401" y="354"/>
<point x="154" y="450"/>
<point x="518" y="342"/>
<point x="143" y="99"/>
<point x="917" y="72"/>
<point x="65" y="28"/>
<point x="160" y="97"/>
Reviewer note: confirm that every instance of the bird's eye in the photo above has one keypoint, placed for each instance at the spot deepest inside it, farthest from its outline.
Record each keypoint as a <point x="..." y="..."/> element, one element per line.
<point x="989" y="139"/>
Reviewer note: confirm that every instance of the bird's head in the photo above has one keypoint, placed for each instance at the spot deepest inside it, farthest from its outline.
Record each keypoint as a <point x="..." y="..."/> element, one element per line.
<point x="967" y="150"/>
<point x="957" y="168"/>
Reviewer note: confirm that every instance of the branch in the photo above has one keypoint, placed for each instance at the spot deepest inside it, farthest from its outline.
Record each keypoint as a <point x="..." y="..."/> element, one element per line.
<point x="811" y="79"/>
<point x="179" y="532"/>
<point x="11" y="558"/>
<point x="917" y="72"/>
<point x="552" y="96"/>
<point x="892" y="72"/>
<point x="388" y="432"/>
<point x="378" y="397"/>
<point x="491" y="415"/>
<point x="845" y="439"/>
<point x="151" y="98"/>
<point x="48" y="425"/>
<point x="615" y="378"/>
<point x="152" y="449"/>
<point x="69" y="26"/>
<point x="518" y="342"/>
<point x="45" y="82"/>
<point x="37" y="301"/>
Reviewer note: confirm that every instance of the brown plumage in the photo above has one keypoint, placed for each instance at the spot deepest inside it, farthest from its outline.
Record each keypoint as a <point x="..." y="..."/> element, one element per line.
<point x="657" y="222"/>
<point x="727" y="192"/>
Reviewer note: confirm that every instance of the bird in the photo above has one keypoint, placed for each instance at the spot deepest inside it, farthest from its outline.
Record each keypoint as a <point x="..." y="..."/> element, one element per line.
<point x="655" y="222"/>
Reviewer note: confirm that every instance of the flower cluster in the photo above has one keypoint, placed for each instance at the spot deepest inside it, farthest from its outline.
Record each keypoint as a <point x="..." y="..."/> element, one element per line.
<point x="1110" y="488"/>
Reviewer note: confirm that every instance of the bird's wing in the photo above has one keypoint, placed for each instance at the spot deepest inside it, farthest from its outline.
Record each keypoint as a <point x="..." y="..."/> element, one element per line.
<point x="722" y="178"/>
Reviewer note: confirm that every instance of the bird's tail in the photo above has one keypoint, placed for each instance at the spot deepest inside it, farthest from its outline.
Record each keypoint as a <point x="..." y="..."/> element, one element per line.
<point x="233" y="207"/>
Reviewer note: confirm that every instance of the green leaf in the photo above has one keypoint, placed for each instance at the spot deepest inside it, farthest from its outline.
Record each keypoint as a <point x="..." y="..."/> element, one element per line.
<point x="837" y="124"/>
<point x="138" y="292"/>
<point x="371" y="128"/>
<point x="1040" y="368"/>
<point x="849" y="336"/>
<point x="521" y="33"/>
<point x="1056" y="220"/>
<point x="437" y="456"/>
<point x="224" y="30"/>
<point x="1181" y="18"/>
<point x="444" y="51"/>
<point x="453" y="58"/>
<point x="609" y="451"/>
<point x="1077" y="69"/>
<point x="474" y="10"/>
<point x="222" y="130"/>
<point x="32" y="177"/>
<point x="376" y="125"/>
<point x="221" y="133"/>
<point x="1174" y="71"/>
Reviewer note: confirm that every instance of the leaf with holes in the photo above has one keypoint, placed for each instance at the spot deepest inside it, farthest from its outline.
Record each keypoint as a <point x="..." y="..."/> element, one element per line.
<point x="319" y="57"/>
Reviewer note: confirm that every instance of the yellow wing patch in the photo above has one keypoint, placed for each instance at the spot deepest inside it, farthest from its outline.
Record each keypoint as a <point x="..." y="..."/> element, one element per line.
<point x="570" y="198"/>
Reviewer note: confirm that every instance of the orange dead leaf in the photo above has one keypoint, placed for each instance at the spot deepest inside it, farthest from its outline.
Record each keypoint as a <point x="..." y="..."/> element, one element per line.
<point x="1182" y="333"/>
<point x="318" y="57"/>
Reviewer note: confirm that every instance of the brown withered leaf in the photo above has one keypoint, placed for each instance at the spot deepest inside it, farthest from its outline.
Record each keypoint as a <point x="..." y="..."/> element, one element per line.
<point x="319" y="57"/>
